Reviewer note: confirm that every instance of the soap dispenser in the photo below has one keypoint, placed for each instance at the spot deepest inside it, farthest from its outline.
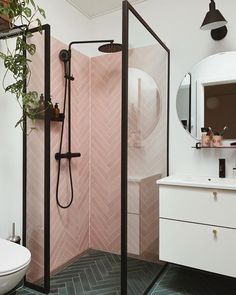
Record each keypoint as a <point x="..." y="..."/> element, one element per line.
<point x="56" y="111"/>
<point x="41" y="104"/>
<point x="50" y="106"/>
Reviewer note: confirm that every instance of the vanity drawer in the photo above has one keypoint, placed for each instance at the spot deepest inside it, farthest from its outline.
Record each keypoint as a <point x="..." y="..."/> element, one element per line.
<point x="208" y="206"/>
<point x="197" y="246"/>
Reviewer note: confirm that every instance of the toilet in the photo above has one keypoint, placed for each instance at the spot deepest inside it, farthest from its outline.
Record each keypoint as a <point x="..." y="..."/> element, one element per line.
<point x="14" y="262"/>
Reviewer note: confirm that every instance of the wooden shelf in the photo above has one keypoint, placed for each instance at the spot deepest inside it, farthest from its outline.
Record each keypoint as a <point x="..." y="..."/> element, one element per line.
<point x="8" y="30"/>
<point x="60" y="119"/>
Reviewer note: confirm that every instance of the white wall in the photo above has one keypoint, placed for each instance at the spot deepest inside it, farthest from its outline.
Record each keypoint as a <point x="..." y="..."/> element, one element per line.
<point x="67" y="23"/>
<point x="10" y="163"/>
<point x="178" y="23"/>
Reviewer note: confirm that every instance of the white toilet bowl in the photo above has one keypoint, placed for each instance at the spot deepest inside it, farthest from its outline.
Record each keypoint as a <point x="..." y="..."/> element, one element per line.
<point x="14" y="261"/>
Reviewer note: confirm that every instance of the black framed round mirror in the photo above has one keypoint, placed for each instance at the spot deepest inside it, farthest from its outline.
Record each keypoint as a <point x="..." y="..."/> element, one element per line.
<point x="207" y="96"/>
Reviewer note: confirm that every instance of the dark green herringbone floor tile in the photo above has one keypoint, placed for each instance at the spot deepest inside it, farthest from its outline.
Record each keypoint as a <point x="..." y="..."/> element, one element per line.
<point x="183" y="281"/>
<point x="98" y="273"/>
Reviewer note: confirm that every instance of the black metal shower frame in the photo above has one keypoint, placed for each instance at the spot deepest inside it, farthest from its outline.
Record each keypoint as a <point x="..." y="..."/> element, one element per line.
<point x="127" y="8"/>
<point x="47" y="89"/>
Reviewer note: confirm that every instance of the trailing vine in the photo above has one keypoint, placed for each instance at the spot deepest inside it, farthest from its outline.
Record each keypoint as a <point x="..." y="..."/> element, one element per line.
<point x="17" y="60"/>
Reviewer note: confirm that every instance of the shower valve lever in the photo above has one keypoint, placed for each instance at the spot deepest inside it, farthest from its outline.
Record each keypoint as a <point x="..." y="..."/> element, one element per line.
<point x="68" y="156"/>
<point x="71" y="78"/>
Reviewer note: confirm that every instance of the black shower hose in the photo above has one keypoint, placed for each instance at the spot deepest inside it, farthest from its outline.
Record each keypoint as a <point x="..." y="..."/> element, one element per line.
<point x="60" y="149"/>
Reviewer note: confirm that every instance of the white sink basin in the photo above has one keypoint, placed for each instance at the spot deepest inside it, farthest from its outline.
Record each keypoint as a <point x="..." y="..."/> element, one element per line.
<point x="199" y="181"/>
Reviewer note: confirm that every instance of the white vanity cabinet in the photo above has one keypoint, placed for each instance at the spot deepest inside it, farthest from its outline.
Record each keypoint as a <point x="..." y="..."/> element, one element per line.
<point x="198" y="224"/>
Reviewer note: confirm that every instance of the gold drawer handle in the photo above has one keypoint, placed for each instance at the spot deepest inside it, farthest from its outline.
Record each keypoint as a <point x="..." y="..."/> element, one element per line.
<point x="215" y="233"/>
<point x="215" y="196"/>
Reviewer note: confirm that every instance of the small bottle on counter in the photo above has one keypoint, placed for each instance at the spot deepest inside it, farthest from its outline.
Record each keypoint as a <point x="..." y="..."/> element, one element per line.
<point x="50" y="104"/>
<point x="234" y="172"/>
<point x="56" y="111"/>
<point x="41" y="103"/>
<point x="205" y="137"/>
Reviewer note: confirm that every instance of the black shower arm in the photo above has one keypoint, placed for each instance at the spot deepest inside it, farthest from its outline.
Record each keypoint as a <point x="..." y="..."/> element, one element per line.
<point x="70" y="78"/>
<point x="89" y="42"/>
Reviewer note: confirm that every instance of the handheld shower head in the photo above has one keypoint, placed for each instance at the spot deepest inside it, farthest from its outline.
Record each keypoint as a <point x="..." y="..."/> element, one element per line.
<point x="110" y="48"/>
<point x="64" y="55"/>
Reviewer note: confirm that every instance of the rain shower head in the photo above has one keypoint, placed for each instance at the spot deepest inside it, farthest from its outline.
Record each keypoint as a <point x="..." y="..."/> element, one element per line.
<point x="110" y="48"/>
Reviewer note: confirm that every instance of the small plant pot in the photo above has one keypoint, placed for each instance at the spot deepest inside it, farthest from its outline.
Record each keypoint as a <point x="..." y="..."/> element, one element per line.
<point x="217" y="140"/>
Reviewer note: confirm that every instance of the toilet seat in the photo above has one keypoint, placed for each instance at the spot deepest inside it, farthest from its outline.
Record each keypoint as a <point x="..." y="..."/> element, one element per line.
<point x="13" y="257"/>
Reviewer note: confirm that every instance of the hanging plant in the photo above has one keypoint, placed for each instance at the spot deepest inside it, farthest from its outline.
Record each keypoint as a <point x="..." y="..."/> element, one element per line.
<point x="23" y="14"/>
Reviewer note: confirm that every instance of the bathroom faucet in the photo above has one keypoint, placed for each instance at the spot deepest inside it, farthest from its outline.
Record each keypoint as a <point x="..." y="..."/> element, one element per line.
<point x="222" y="168"/>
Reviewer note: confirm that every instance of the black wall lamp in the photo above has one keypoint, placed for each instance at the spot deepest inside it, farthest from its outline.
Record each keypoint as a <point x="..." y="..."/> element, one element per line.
<point x="215" y="22"/>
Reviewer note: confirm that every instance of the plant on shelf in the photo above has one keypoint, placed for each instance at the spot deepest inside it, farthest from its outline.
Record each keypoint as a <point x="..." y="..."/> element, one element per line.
<point x="24" y="15"/>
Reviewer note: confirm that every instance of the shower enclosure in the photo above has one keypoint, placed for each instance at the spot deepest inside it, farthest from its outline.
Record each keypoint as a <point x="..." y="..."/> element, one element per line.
<point x="108" y="238"/>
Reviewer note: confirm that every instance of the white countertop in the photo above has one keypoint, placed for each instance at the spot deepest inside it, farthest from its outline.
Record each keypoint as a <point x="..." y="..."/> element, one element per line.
<point x="199" y="181"/>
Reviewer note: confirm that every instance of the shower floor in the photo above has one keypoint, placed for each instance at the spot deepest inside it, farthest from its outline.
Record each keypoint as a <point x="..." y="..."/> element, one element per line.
<point x="98" y="273"/>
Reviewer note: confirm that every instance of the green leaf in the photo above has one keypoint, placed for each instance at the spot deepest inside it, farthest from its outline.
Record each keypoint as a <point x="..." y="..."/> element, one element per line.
<point x="29" y="34"/>
<point x="19" y="122"/>
<point x="33" y="4"/>
<point x="27" y="11"/>
<point x="42" y="12"/>
<point x="39" y="23"/>
<point x="31" y="48"/>
<point x="2" y="55"/>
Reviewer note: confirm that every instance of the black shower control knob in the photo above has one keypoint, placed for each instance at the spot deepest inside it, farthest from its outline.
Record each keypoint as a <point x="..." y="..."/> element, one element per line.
<point x="68" y="156"/>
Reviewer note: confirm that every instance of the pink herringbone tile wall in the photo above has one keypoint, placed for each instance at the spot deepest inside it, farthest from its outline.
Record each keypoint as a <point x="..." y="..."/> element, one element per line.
<point x="70" y="227"/>
<point x="105" y="210"/>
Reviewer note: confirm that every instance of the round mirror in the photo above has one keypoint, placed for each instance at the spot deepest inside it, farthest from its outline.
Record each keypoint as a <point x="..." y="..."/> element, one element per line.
<point x="144" y="106"/>
<point x="207" y="96"/>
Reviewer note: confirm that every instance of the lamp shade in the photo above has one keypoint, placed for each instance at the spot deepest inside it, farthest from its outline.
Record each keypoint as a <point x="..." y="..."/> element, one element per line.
<point x="213" y="19"/>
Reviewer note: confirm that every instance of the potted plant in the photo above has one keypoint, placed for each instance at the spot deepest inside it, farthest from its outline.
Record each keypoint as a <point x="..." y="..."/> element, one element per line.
<point x="23" y="14"/>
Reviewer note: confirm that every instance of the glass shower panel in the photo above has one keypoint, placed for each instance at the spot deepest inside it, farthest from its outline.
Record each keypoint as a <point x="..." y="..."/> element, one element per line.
<point x="147" y="152"/>
<point x="35" y="175"/>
